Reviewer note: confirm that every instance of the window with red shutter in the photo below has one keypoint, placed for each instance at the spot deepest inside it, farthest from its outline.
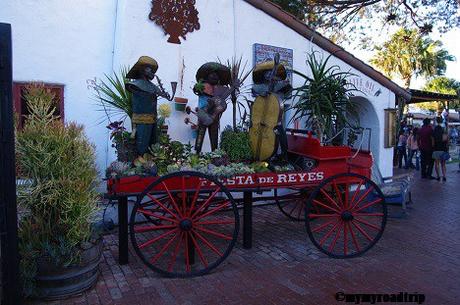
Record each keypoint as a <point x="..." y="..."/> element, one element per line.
<point x="20" y="105"/>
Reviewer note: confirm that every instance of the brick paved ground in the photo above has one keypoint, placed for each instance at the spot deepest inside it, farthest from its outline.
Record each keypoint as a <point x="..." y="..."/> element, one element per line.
<point x="418" y="254"/>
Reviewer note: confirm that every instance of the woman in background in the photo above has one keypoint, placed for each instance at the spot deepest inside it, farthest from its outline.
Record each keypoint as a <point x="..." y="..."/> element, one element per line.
<point x="412" y="146"/>
<point x="402" y="142"/>
<point x="440" y="151"/>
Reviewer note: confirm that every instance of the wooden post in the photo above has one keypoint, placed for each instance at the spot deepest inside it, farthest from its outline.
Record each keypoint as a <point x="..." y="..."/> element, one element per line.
<point x="247" y="220"/>
<point x="123" y="252"/>
<point x="10" y="294"/>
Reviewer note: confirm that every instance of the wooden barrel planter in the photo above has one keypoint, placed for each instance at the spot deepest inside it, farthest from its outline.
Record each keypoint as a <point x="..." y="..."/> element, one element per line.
<point x="54" y="282"/>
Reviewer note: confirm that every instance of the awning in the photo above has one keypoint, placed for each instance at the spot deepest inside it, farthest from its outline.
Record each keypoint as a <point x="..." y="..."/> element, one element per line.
<point x="420" y="96"/>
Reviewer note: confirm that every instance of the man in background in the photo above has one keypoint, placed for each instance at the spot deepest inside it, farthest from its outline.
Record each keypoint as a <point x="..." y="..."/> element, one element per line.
<point x="425" y="145"/>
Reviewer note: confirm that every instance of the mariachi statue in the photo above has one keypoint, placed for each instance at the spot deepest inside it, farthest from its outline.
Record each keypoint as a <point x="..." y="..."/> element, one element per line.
<point x="266" y="130"/>
<point x="212" y="90"/>
<point x="144" y="101"/>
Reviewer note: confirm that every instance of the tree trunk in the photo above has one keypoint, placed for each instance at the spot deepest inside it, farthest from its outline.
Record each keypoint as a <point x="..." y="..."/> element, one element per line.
<point x="407" y="82"/>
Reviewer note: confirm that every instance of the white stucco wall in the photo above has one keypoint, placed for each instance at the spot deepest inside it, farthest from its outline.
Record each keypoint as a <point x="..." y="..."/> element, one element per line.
<point x="69" y="42"/>
<point x="64" y="42"/>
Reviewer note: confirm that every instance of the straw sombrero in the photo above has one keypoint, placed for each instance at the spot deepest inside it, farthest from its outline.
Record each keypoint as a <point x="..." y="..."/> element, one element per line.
<point x="143" y="61"/>
<point x="260" y="69"/>
<point x="223" y="72"/>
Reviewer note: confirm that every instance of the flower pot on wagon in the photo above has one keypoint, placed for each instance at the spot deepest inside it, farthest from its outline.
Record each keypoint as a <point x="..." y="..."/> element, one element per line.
<point x="180" y="103"/>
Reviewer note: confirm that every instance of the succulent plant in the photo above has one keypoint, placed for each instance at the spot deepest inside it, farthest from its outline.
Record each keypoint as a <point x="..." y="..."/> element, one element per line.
<point x="117" y="169"/>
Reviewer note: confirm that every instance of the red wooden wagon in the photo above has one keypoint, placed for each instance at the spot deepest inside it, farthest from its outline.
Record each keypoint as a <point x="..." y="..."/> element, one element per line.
<point x="186" y="223"/>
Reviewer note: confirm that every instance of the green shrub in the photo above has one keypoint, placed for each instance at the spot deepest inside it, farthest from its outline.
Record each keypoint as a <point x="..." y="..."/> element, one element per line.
<point x="235" y="144"/>
<point x="61" y="203"/>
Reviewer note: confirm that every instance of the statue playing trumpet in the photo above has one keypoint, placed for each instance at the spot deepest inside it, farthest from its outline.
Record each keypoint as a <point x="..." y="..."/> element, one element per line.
<point x="144" y="101"/>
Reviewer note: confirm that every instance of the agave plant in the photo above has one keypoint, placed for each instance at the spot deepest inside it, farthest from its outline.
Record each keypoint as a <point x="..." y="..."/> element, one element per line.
<point x="112" y="96"/>
<point x="324" y="99"/>
<point x="238" y="73"/>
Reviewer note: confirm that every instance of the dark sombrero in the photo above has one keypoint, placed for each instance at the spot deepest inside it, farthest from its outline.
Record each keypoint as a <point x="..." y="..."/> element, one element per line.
<point x="213" y="68"/>
<point x="144" y="61"/>
<point x="262" y="68"/>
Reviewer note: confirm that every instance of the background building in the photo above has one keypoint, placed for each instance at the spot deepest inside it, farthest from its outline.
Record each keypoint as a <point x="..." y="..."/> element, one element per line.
<point x="67" y="44"/>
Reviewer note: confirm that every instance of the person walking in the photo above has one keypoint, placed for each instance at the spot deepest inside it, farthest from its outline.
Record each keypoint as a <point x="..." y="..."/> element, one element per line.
<point x="412" y="146"/>
<point x="453" y="135"/>
<point x="424" y="141"/>
<point x="402" y="143"/>
<point x="440" y="151"/>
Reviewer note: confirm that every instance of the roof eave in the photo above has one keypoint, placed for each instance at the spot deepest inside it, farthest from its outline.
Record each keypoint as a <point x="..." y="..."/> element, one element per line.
<point x="301" y="28"/>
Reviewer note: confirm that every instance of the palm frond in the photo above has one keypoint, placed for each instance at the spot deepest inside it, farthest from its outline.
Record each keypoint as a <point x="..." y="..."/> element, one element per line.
<point x="111" y="95"/>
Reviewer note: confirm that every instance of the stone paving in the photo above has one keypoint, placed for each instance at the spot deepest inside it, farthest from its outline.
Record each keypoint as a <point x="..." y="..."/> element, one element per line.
<point x="418" y="254"/>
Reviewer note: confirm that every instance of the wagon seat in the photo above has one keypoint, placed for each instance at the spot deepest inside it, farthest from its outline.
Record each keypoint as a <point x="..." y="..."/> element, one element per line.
<point x="332" y="159"/>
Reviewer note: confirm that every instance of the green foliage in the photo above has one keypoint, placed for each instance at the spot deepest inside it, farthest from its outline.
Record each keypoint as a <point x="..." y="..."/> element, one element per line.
<point x="112" y="96"/>
<point x="324" y="98"/>
<point x="235" y="144"/>
<point x="62" y="201"/>
<point x="165" y="153"/>
<point x="443" y="85"/>
<point x="198" y="89"/>
<point x="407" y="54"/>
<point x="353" y="21"/>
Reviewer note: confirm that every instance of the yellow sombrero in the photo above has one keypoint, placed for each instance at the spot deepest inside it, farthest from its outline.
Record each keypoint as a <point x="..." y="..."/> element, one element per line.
<point x="144" y="61"/>
<point x="260" y="69"/>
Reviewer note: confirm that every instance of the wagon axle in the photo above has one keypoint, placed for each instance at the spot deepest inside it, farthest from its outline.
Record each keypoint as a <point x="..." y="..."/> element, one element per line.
<point x="347" y="216"/>
<point x="185" y="224"/>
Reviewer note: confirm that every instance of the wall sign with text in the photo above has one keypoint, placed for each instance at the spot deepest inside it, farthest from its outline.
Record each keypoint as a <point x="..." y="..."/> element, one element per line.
<point x="263" y="52"/>
<point x="366" y="86"/>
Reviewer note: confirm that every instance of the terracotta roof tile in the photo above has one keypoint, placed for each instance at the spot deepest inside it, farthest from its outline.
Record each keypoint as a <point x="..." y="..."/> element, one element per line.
<point x="300" y="27"/>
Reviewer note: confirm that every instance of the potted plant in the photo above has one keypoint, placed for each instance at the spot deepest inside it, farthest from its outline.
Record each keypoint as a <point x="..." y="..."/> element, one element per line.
<point x="164" y="112"/>
<point x="58" y="242"/>
<point x="180" y="103"/>
<point x="116" y="103"/>
<point x="324" y="100"/>
<point x="122" y="141"/>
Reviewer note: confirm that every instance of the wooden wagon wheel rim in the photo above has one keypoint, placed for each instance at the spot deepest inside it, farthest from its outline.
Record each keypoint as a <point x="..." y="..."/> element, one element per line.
<point x="293" y="208"/>
<point x="353" y="215"/>
<point x="195" y="234"/>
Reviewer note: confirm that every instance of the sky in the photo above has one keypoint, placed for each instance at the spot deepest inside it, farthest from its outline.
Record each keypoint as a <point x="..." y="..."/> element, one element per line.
<point x="450" y="42"/>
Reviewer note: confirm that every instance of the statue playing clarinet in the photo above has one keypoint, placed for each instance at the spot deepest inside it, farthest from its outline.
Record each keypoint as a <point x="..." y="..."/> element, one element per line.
<point x="144" y="102"/>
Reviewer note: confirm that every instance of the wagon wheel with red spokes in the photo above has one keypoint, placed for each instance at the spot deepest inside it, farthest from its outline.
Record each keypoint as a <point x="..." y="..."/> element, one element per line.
<point x="198" y="224"/>
<point x="352" y="218"/>
<point x="292" y="203"/>
<point x="157" y="210"/>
